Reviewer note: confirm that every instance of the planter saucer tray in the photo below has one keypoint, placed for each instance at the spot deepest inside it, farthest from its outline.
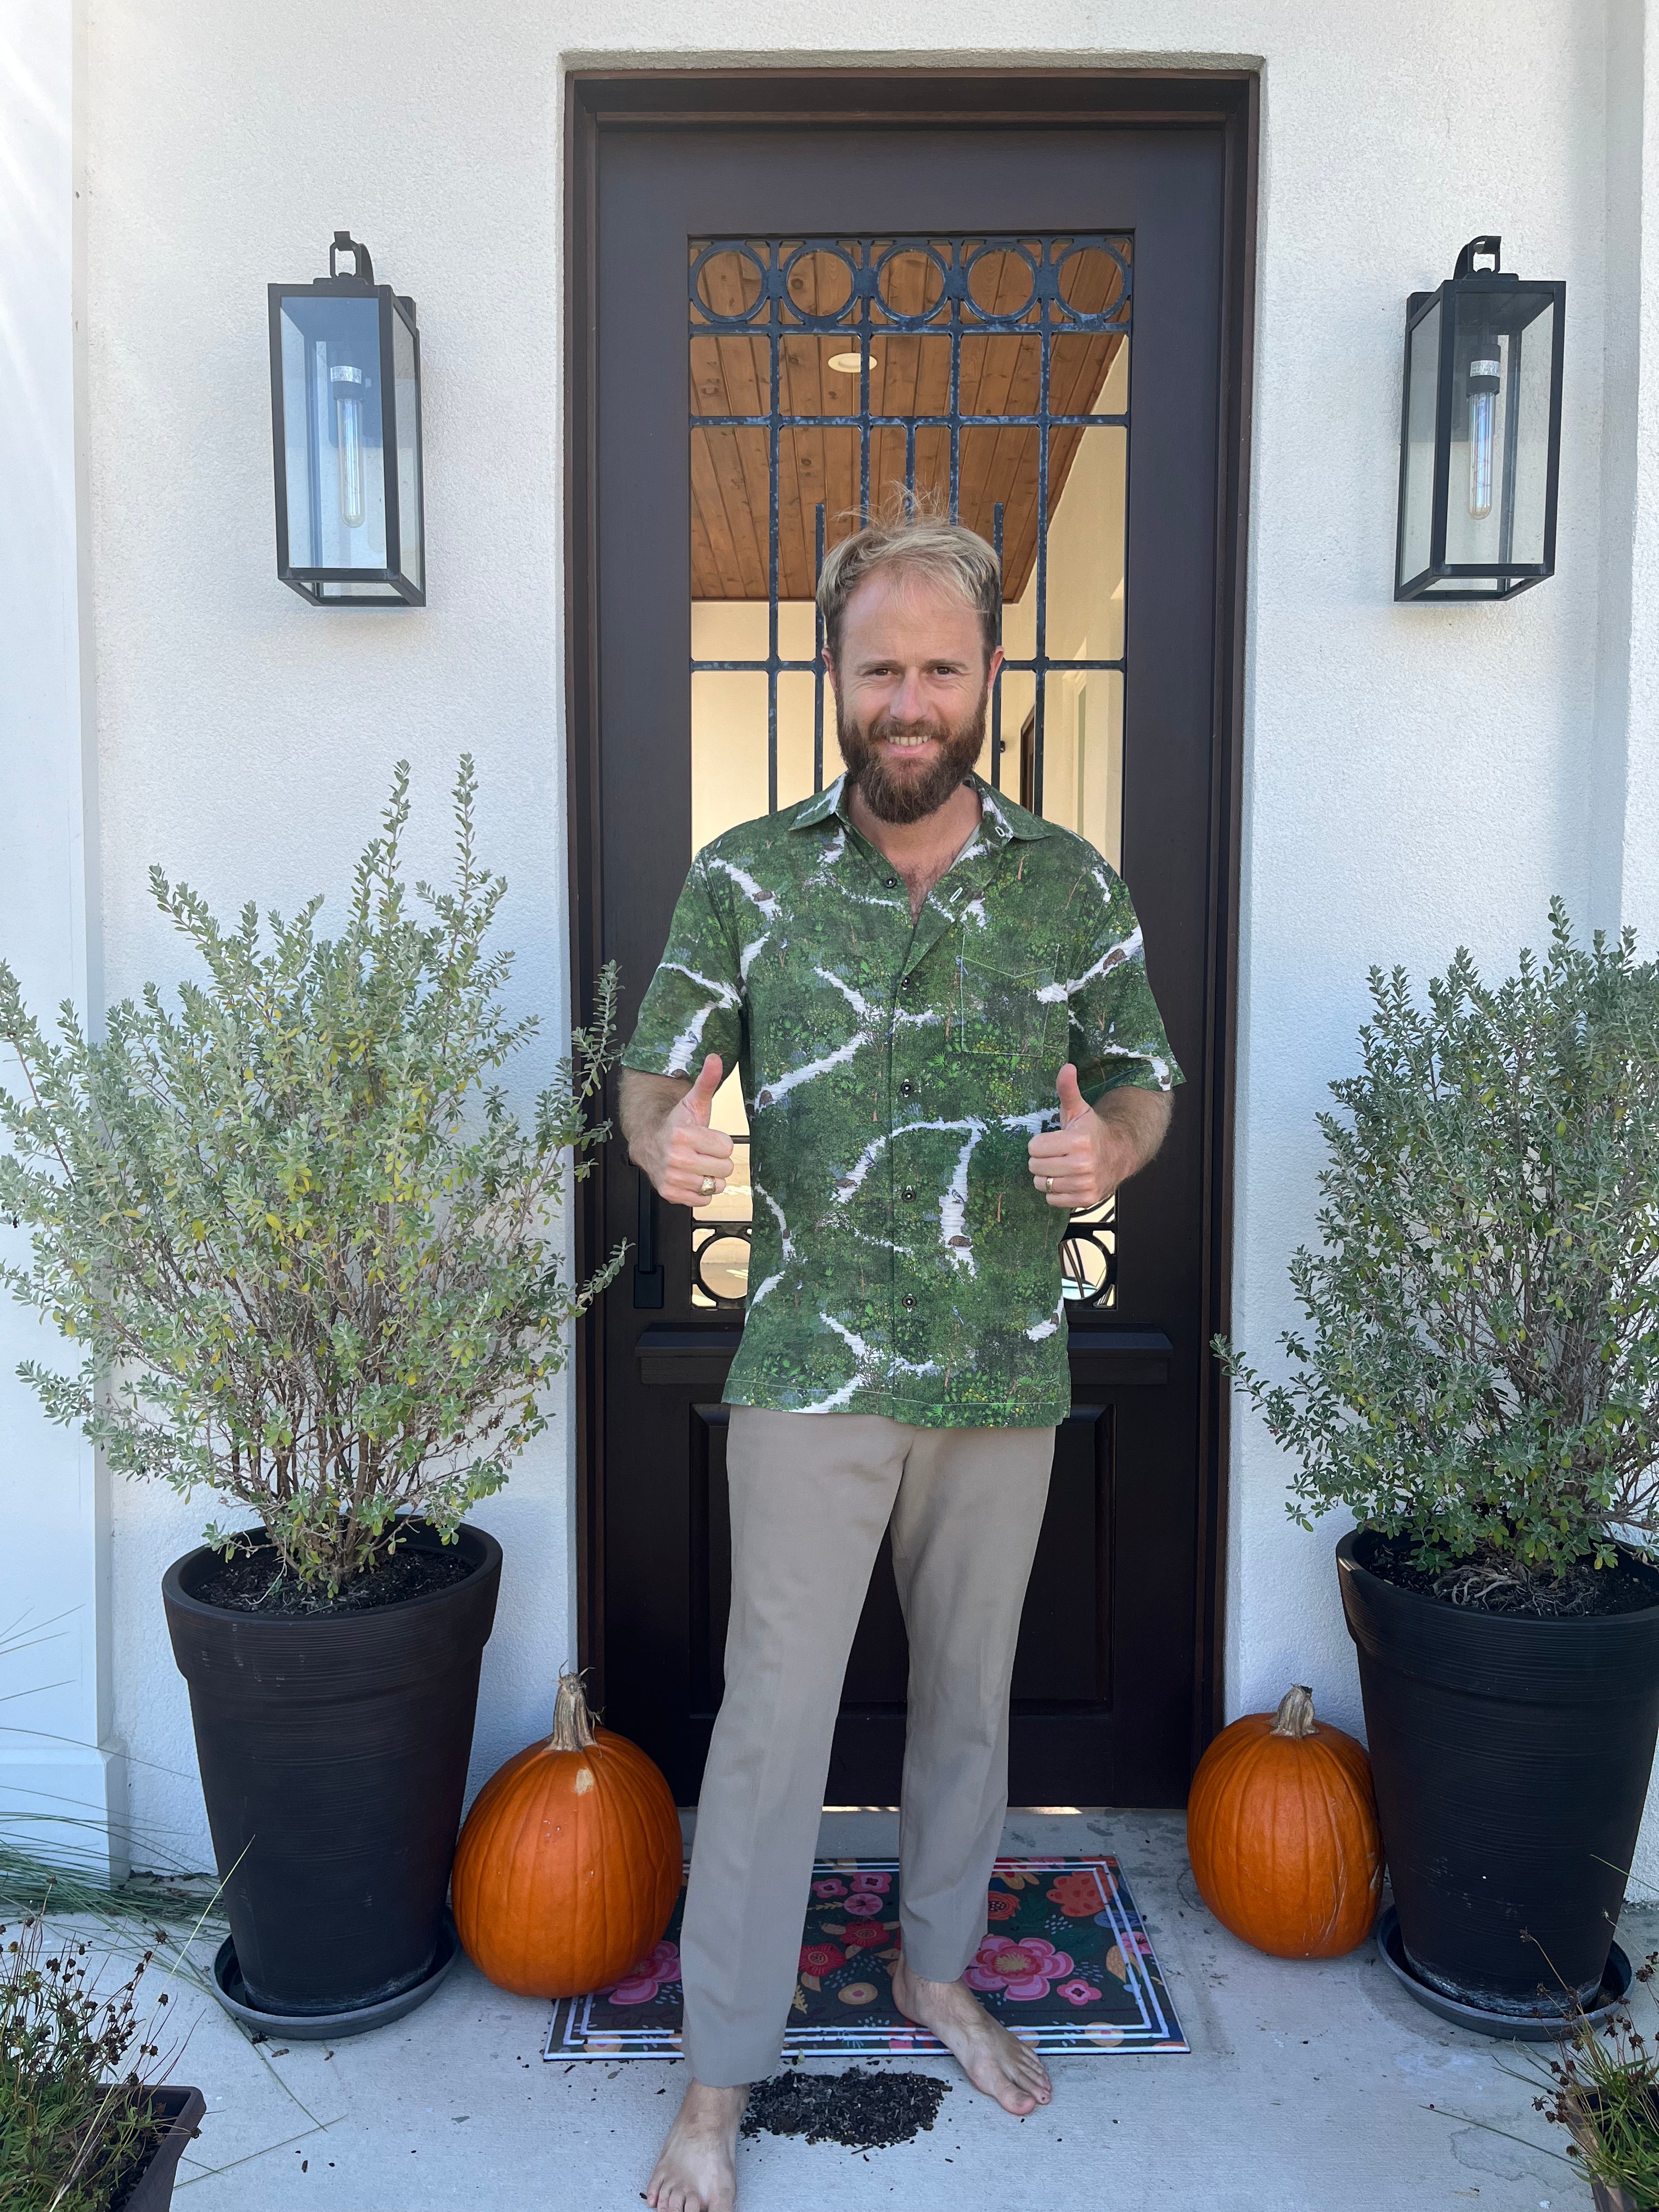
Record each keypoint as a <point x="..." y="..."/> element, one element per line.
<point x="1065" y="1964"/>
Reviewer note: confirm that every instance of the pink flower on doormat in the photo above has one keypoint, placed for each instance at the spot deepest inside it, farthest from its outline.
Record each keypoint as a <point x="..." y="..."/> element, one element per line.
<point x="1078" y="1895"/>
<point x="877" y="1884"/>
<point x="870" y="1936"/>
<point x="1022" y="1970"/>
<point x="821" y="1958"/>
<point x="1080" y="1992"/>
<point x="640" y="1983"/>
<point x="828" y="1889"/>
<point x="864" y="1905"/>
<point x="998" y="1905"/>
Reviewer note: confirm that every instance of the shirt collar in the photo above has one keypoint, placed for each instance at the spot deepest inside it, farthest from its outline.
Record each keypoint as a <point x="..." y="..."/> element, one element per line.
<point x="1002" y="819"/>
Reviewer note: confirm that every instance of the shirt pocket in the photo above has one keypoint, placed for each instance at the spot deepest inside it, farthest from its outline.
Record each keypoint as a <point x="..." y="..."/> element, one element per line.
<point x="1002" y="1012"/>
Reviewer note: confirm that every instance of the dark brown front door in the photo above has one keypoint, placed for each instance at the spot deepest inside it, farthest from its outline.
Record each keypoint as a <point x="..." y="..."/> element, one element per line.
<point x="1034" y="322"/>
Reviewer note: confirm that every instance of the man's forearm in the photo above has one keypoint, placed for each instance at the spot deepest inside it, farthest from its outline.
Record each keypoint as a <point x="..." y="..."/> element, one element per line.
<point x="644" y="1105"/>
<point x="1137" y="1121"/>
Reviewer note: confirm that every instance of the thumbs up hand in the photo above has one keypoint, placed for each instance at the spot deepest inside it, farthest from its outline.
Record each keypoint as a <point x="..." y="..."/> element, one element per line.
<point x="1076" y="1165"/>
<point x="688" y="1162"/>
<point x="698" y="1100"/>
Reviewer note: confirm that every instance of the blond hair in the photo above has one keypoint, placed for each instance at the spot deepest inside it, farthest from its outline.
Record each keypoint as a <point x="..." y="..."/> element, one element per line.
<point x="906" y="536"/>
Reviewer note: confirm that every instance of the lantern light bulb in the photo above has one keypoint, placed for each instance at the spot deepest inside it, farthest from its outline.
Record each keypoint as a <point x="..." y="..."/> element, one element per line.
<point x="347" y="384"/>
<point x="1483" y="375"/>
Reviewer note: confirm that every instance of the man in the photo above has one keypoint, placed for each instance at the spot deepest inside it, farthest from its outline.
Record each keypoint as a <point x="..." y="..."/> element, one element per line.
<point x="948" y="1045"/>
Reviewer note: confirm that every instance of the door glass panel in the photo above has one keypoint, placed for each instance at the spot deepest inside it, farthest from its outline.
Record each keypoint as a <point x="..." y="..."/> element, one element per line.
<point x="1089" y="472"/>
<point x="990" y="374"/>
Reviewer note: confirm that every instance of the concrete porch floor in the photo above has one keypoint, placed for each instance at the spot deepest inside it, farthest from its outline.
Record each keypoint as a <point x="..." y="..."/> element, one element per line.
<point x="1310" y="2087"/>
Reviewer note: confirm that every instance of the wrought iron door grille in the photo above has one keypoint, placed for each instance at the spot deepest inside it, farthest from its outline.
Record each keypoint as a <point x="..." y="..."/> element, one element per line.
<point x="995" y="338"/>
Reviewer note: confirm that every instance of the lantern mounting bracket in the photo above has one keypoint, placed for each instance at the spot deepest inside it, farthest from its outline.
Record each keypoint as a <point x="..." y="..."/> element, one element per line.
<point x="1487" y="247"/>
<point x="362" y="267"/>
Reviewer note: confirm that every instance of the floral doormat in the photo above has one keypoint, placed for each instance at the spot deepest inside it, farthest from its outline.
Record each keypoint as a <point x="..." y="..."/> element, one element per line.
<point x="1065" y="1964"/>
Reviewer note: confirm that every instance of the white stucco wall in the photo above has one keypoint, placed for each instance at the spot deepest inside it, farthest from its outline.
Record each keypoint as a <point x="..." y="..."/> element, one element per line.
<point x="1417" y="778"/>
<point x="56" y="1765"/>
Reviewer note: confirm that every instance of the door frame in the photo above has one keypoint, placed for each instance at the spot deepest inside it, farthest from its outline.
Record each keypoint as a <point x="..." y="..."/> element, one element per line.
<point x="1224" y="99"/>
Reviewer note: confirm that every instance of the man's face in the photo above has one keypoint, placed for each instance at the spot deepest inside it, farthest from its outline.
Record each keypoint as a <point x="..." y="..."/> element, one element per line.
<point x="912" y="685"/>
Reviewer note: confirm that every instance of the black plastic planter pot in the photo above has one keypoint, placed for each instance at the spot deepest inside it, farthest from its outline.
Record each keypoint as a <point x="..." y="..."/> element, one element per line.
<point x="177" y="2113"/>
<point x="1511" y="1760"/>
<point x="333" y="1752"/>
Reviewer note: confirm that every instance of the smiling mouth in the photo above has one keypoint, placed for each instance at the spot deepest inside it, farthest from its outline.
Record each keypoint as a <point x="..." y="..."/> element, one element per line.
<point x="910" y="744"/>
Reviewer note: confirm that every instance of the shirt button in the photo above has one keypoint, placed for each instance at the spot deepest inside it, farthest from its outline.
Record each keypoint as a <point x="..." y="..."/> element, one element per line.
<point x="909" y="1303"/>
<point x="891" y="882"/>
<point x="908" y="1192"/>
<point x="906" y="1089"/>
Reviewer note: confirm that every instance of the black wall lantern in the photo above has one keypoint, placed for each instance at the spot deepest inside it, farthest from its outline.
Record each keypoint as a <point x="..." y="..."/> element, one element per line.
<point x="1480" y="433"/>
<point x="345" y="412"/>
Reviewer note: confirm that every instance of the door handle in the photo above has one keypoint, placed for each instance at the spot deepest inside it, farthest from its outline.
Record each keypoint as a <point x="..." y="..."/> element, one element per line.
<point x="648" y="1282"/>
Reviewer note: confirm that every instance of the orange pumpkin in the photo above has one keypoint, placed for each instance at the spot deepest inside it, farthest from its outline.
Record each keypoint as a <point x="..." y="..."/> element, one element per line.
<point x="1282" y="1833"/>
<point x="570" y="1860"/>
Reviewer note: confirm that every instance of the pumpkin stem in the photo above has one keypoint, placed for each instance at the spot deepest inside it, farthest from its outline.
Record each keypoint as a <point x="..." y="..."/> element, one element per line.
<point x="573" y="1724"/>
<point x="1295" y="1716"/>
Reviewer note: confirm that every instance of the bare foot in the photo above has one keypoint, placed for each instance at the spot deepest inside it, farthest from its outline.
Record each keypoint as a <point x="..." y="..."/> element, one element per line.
<point x="698" y="2171"/>
<point x="994" y="2061"/>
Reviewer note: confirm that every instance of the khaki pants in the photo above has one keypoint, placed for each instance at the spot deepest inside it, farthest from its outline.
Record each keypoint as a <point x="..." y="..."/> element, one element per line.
<point x="811" y="1495"/>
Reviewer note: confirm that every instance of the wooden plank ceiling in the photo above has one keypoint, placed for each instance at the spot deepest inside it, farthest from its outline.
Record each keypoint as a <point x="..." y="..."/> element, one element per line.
<point x="909" y="376"/>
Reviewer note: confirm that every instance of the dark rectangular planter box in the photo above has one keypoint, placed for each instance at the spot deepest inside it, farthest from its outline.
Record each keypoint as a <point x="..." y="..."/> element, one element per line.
<point x="181" y="2110"/>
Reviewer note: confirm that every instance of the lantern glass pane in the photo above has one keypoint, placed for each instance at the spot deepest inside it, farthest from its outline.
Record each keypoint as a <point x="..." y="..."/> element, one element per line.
<point x="1480" y="487"/>
<point x="1533" y="353"/>
<point x="331" y="421"/>
<point x="408" y="417"/>
<point x="1416" y="502"/>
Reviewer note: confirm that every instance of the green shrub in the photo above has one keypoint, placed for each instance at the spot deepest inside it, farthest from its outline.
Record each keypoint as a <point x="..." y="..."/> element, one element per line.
<point x="1479" y="1365"/>
<point x="303" y="1241"/>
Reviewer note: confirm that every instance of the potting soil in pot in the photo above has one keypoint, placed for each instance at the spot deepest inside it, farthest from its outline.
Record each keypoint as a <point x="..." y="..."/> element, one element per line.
<point x="255" y="1581"/>
<point x="1583" y="1593"/>
<point x="865" y="2112"/>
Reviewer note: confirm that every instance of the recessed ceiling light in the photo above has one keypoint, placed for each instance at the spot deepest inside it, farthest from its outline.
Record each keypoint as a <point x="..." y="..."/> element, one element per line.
<point x="849" y="363"/>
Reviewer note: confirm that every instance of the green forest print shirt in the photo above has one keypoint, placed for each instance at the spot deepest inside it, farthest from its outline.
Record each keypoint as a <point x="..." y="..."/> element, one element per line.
<point x="903" y="1263"/>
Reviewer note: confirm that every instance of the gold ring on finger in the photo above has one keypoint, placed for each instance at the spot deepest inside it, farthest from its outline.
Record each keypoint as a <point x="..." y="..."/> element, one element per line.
<point x="1050" y="1184"/>
<point x="707" y="1190"/>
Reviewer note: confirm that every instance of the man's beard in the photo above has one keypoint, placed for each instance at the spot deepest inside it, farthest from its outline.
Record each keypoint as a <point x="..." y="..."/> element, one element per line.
<point x="910" y="794"/>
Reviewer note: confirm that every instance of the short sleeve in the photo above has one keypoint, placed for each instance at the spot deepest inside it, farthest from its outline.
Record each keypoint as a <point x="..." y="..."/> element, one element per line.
<point x="1117" y="1035"/>
<point x="693" y="1004"/>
